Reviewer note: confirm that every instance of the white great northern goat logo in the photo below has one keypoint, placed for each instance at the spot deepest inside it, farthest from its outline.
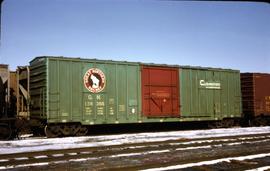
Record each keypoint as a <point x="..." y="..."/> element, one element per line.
<point x="94" y="80"/>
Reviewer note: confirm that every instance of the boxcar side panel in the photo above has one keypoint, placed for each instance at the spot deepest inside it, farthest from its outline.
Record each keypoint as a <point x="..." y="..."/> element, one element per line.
<point x="65" y="102"/>
<point x="73" y="99"/>
<point x="90" y="91"/>
<point x="210" y="93"/>
<point x="262" y="94"/>
<point x="38" y="88"/>
<point x="119" y="102"/>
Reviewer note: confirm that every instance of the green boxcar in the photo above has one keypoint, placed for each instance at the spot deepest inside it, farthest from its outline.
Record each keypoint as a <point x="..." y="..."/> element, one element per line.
<point x="94" y="92"/>
<point x="64" y="90"/>
<point x="210" y="94"/>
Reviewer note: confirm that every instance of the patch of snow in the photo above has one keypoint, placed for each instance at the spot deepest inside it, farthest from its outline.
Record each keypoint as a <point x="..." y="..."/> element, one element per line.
<point x="235" y="143"/>
<point x="4" y="160"/>
<point x="85" y="152"/>
<point x="138" y="154"/>
<point x="246" y="142"/>
<point x="182" y="166"/>
<point x="198" y="142"/>
<point x="26" y="135"/>
<point x="58" y="155"/>
<point x="193" y="148"/>
<point x="39" y="144"/>
<point x="260" y="168"/>
<point x="23" y="165"/>
<point x="157" y="151"/>
<point x="60" y="162"/>
<point x="137" y="147"/>
<point x="40" y="157"/>
<point x="72" y="154"/>
<point x="125" y="155"/>
<point x="223" y="140"/>
<point x="79" y="160"/>
<point x="21" y="158"/>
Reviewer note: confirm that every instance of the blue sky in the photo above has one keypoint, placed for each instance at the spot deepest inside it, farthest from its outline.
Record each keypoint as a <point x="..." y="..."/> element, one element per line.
<point x="212" y="34"/>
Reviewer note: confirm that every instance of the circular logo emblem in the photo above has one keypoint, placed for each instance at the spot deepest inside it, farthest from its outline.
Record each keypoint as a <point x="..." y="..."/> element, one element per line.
<point x="94" y="80"/>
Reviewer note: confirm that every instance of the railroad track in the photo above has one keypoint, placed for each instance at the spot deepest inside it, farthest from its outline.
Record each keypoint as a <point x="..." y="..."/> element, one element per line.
<point x="145" y="155"/>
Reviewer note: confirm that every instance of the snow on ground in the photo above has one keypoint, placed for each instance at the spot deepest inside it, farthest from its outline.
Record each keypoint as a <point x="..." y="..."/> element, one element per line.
<point x="39" y="144"/>
<point x="229" y="159"/>
<point x="260" y="168"/>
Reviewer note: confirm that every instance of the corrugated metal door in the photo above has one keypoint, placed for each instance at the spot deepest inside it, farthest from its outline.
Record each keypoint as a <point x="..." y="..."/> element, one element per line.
<point x="160" y="91"/>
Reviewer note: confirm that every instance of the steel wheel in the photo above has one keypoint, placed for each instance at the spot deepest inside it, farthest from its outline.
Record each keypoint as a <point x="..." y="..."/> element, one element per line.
<point x="260" y="121"/>
<point x="82" y="131"/>
<point x="227" y="123"/>
<point x="52" y="131"/>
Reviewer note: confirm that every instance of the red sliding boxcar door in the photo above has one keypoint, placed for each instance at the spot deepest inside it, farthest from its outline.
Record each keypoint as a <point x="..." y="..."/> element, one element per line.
<point x="160" y="91"/>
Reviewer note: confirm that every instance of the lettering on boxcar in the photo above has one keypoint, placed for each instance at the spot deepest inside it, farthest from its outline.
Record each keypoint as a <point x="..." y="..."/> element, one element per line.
<point x="122" y="108"/>
<point x="210" y="84"/>
<point x="94" y="80"/>
<point x="88" y="111"/>
<point x="161" y="94"/>
<point x="111" y="101"/>
<point x="90" y="97"/>
<point x="100" y="110"/>
<point x="88" y="104"/>
<point x="100" y="104"/>
<point x="111" y="111"/>
<point x="111" y="106"/>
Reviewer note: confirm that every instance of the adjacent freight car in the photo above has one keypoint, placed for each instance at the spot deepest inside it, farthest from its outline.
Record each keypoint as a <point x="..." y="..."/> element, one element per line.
<point x="14" y="101"/>
<point x="256" y="97"/>
<point x="68" y="94"/>
<point x="7" y="102"/>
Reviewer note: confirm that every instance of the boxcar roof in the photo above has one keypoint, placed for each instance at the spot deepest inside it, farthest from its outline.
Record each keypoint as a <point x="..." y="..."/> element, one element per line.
<point x="142" y="63"/>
